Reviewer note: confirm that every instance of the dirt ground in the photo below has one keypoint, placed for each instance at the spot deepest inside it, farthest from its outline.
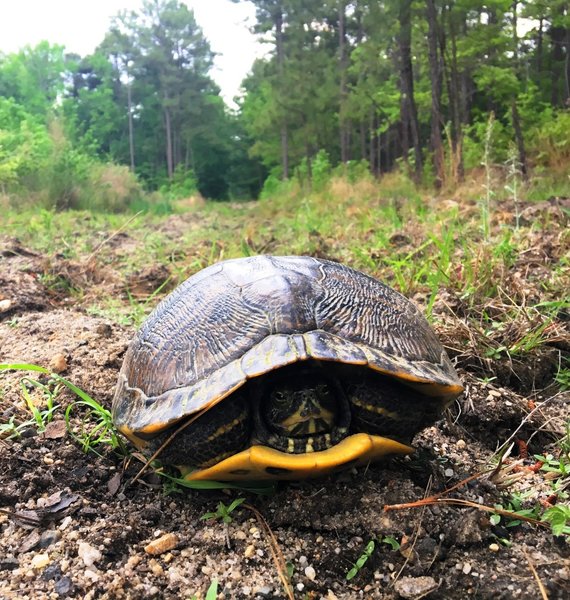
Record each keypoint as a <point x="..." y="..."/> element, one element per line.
<point x="70" y="527"/>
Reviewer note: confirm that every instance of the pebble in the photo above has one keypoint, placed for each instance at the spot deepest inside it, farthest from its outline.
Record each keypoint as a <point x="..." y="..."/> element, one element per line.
<point x="133" y="561"/>
<point x="449" y="473"/>
<point x="265" y="591"/>
<point x="58" y="363"/>
<point x="249" y="551"/>
<point x="88" y="553"/>
<point x="63" y="586"/>
<point x="466" y="569"/>
<point x="9" y="563"/>
<point x="494" y="547"/>
<point x="40" y="561"/>
<point x="155" y="567"/>
<point x="240" y="535"/>
<point x="461" y="444"/>
<point x="415" y="587"/>
<point x="300" y="586"/>
<point x="49" y="537"/>
<point x="303" y="561"/>
<point x="163" y="544"/>
<point x="310" y="573"/>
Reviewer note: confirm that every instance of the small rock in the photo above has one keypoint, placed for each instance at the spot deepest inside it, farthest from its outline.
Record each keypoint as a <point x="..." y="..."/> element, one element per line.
<point x="310" y="573"/>
<point x="30" y="542"/>
<point x="9" y="563"/>
<point x="449" y="473"/>
<point x="155" y="567"/>
<point x="468" y="530"/>
<point x="466" y="569"/>
<point x="40" y="561"/>
<point x="5" y="305"/>
<point x="52" y="571"/>
<point x="114" y="484"/>
<point x="461" y="444"/>
<point x="55" y="430"/>
<point x="303" y="562"/>
<point x="89" y="554"/>
<point x="264" y="592"/>
<point x="58" y="363"/>
<point x="49" y="537"/>
<point x="166" y="542"/>
<point x="133" y="561"/>
<point x="249" y="551"/>
<point x="240" y="535"/>
<point x="64" y="586"/>
<point x="415" y="587"/>
<point x="494" y="547"/>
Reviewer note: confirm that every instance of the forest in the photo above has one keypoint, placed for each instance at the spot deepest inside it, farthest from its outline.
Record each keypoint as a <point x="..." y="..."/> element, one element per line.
<point x="432" y="88"/>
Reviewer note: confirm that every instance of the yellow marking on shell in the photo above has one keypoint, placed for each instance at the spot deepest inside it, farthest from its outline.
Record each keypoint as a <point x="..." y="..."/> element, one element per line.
<point x="261" y="462"/>
<point x="291" y="445"/>
<point x="379" y="410"/>
<point x="223" y="429"/>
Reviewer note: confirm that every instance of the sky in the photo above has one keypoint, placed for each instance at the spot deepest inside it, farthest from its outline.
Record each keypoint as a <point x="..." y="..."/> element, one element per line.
<point x="80" y="26"/>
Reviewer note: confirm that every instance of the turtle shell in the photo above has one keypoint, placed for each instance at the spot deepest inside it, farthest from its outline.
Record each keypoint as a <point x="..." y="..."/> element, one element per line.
<point x="243" y="318"/>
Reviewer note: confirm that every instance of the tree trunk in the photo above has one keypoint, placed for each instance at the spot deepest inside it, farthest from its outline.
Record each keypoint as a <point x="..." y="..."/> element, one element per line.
<point x="168" y="127"/>
<point x="435" y="76"/>
<point x="343" y="127"/>
<point x="453" y="91"/>
<point x="131" y="134"/>
<point x="519" y="139"/>
<point x="372" y="158"/>
<point x="407" y="103"/>
<point x="278" y="19"/>
<point x="539" y="39"/>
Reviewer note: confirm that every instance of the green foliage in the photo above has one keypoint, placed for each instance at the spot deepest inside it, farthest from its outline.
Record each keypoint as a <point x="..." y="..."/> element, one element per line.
<point x="223" y="512"/>
<point x="182" y="185"/>
<point x="559" y="519"/>
<point x="368" y="551"/>
<point x="145" y="99"/>
<point x="551" y="140"/>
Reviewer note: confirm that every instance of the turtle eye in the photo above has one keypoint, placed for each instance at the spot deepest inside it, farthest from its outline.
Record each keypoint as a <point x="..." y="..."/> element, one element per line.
<point x="280" y="397"/>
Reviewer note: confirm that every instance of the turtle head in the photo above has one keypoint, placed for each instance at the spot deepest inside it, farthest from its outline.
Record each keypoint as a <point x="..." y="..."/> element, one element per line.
<point x="295" y="409"/>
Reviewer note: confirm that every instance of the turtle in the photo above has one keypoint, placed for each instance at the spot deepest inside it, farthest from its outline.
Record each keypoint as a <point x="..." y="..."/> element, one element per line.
<point x="281" y="367"/>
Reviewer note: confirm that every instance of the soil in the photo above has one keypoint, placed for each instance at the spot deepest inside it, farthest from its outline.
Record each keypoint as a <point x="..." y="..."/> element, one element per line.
<point x="72" y="526"/>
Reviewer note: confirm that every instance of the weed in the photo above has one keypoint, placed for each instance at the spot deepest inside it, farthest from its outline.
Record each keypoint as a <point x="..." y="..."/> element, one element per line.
<point x="102" y="431"/>
<point x="559" y="519"/>
<point x="49" y="393"/>
<point x="223" y="512"/>
<point x="368" y="551"/>
<point x="212" y="592"/>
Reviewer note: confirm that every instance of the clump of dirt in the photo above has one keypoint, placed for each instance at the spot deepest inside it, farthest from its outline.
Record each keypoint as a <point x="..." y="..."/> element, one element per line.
<point x="71" y="525"/>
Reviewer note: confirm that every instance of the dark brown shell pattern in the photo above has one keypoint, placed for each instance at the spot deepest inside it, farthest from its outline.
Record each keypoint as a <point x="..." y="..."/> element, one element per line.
<point x="245" y="317"/>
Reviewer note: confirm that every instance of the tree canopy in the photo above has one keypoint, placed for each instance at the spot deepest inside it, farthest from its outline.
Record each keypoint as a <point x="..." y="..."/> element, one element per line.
<point x="384" y="83"/>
